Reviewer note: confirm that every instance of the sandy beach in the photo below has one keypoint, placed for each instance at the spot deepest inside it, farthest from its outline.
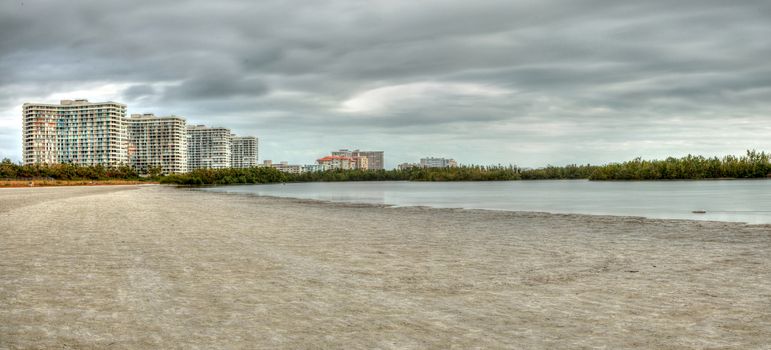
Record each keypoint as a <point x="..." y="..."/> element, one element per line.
<point x="143" y="267"/>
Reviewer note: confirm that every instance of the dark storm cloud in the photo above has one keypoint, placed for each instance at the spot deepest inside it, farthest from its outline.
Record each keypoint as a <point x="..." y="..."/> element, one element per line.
<point x="531" y="82"/>
<point x="139" y="91"/>
<point x="215" y="86"/>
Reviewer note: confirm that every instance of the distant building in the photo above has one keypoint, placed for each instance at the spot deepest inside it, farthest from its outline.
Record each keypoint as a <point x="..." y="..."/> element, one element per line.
<point x="289" y="168"/>
<point x="360" y="162"/>
<point x="87" y="134"/>
<point x="208" y="147"/>
<point x="243" y="151"/>
<point x="74" y="131"/>
<point x="343" y="153"/>
<point x="284" y="167"/>
<point x="310" y="168"/>
<point x="157" y="142"/>
<point x="437" y="163"/>
<point x="338" y="162"/>
<point x="374" y="158"/>
<point x="405" y="166"/>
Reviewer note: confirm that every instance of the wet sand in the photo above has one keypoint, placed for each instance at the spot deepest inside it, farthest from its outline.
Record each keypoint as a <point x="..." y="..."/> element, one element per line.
<point x="138" y="267"/>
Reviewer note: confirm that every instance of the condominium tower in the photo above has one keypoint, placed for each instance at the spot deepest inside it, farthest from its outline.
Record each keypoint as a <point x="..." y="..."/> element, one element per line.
<point x="208" y="147"/>
<point x="243" y="152"/>
<point x="374" y="158"/>
<point x="75" y="131"/>
<point x="157" y="142"/>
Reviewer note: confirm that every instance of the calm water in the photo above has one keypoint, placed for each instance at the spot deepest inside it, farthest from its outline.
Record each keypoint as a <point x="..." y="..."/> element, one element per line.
<point x="731" y="200"/>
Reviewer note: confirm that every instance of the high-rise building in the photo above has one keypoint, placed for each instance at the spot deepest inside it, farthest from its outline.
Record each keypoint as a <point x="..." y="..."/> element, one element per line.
<point x="208" y="147"/>
<point x="157" y="142"/>
<point x="432" y="162"/>
<point x="374" y="158"/>
<point x="75" y="131"/>
<point x="244" y="151"/>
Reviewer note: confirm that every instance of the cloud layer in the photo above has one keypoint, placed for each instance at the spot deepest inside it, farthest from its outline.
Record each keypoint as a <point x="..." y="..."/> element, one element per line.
<point x="524" y="82"/>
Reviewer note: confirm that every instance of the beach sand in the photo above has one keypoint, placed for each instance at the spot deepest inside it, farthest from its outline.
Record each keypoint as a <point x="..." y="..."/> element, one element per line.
<point x="144" y="267"/>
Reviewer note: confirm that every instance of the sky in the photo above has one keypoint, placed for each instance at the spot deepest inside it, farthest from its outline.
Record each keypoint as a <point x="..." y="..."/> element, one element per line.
<point x="525" y="82"/>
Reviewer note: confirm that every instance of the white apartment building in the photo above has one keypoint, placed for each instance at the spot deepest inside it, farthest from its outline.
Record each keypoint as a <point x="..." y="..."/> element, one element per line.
<point x="244" y="151"/>
<point x="208" y="147"/>
<point x="431" y="162"/>
<point x="157" y="142"/>
<point x="75" y="131"/>
<point x="310" y="168"/>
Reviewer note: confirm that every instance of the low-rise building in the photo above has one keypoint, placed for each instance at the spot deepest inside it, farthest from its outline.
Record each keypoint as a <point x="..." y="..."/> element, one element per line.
<point x="360" y="162"/>
<point x="310" y="168"/>
<point x="432" y="162"/>
<point x="284" y="167"/>
<point x="337" y="162"/>
<point x="374" y="158"/>
<point x="405" y="166"/>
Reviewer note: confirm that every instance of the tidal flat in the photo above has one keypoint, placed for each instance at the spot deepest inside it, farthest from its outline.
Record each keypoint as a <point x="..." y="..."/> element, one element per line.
<point x="137" y="267"/>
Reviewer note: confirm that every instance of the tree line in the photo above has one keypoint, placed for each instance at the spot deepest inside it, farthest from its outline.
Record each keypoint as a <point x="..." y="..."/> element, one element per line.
<point x="463" y="173"/>
<point x="228" y="176"/>
<point x="12" y="171"/>
<point x="753" y="164"/>
<point x="272" y="175"/>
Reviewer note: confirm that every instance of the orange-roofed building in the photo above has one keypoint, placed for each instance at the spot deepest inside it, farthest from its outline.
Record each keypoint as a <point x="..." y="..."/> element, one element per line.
<point x="337" y="162"/>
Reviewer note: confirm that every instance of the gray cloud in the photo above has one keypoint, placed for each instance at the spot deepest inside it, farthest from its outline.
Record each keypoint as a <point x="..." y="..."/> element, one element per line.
<point x="529" y="82"/>
<point x="216" y="86"/>
<point x="139" y="91"/>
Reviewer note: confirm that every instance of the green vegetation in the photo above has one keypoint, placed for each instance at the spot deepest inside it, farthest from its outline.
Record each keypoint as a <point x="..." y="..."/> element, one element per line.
<point x="11" y="171"/>
<point x="464" y="173"/>
<point x="271" y="175"/>
<point x="751" y="165"/>
<point x="227" y="177"/>
<point x="569" y="172"/>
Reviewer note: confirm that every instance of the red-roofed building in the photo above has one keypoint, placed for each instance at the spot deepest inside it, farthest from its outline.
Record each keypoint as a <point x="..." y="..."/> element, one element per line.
<point x="344" y="163"/>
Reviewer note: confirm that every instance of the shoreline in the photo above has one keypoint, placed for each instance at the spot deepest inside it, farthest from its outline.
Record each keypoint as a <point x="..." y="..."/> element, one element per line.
<point x="394" y="206"/>
<point x="70" y="183"/>
<point x="375" y="205"/>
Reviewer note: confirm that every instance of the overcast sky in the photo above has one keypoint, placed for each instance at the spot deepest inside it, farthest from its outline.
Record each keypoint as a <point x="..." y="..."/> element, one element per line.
<point x="523" y="82"/>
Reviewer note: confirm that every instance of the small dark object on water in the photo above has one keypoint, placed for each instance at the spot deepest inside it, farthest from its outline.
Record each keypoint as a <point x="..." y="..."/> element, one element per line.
<point x="699" y="212"/>
<point x="632" y="271"/>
